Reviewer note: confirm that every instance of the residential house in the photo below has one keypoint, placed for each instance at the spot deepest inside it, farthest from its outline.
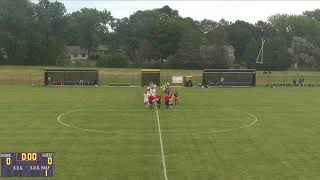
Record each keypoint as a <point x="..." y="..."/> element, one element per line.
<point x="229" y="54"/>
<point x="3" y="53"/>
<point x="77" y="53"/>
<point x="208" y="53"/>
<point x="100" y="51"/>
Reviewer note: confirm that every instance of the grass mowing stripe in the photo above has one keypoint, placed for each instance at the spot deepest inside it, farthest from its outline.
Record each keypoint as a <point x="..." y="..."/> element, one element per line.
<point x="161" y="147"/>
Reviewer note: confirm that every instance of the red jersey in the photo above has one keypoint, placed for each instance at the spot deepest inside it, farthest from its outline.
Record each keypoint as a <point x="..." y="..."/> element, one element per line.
<point x="167" y="99"/>
<point x="158" y="99"/>
<point x="151" y="99"/>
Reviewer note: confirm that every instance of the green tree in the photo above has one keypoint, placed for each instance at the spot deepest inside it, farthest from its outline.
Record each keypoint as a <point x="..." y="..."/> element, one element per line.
<point x="207" y="25"/>
<point x="48" y="39"/>
<point x="90" y="27"/>
<point x="263" y="29"/>
<point x="32" y="33"/>
<point x="219" y="34"/>
<point x="305" y="53"/>
<point x="315" y="14"/>
<point x="16" y="18"/>
<point x="154" y="30"/>
<point x="135" y="31"/>
<point x="281" y="27"/>
<point x="306" y="27"/>
<point x="276" y="56"/>
<point x="240" y="34"/>
<point x="114" y="60"/>
<point x="188" y="52"/>
<point x="166" y="36"/>
<point x="250" y="54"/>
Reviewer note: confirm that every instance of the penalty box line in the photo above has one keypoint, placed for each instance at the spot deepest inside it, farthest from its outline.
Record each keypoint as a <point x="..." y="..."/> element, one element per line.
<point x="163" y="159"/>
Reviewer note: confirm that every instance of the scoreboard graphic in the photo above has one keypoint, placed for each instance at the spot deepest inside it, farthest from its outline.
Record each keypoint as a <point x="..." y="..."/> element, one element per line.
<point x="27" y="164"/>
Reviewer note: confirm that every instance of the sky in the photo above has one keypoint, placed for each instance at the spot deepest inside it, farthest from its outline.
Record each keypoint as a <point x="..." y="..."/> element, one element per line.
<point x="250" y="11"/>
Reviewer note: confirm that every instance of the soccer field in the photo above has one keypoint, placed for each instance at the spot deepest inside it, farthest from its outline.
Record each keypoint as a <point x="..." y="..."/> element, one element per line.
<point x="223" y="133"/>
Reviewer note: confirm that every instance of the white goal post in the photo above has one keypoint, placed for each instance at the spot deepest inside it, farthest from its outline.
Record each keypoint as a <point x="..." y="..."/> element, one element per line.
<point x="259" y="59"/>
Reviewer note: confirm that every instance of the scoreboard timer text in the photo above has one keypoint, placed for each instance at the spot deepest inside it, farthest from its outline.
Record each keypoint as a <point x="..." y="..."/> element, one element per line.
<point x="27" y="164"/>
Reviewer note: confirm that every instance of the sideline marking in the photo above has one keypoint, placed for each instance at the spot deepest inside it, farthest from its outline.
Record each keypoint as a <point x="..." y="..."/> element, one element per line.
<point x="161" y="146"/>
<point x="153" y="134"/>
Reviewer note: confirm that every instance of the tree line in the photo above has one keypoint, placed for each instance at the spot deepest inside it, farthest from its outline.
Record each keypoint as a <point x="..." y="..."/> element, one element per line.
<point x="38" y="34"/>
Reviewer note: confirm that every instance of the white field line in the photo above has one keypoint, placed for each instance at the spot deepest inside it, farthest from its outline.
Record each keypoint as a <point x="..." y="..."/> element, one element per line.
<point x="161" y="146"/>
<point x="84" y="129"/>
<point x="59" y="119"/>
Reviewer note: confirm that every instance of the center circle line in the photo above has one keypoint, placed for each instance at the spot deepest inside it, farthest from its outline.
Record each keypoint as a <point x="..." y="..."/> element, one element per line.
<point x="59" y="119"/>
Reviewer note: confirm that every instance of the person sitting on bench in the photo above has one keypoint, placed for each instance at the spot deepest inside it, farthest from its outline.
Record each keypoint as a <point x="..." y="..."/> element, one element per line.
<point x="221" y="81"/>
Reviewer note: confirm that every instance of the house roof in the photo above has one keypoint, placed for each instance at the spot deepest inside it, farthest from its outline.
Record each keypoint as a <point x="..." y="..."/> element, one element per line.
<point x="102" y="48"/>
<point x="75" y="50"/>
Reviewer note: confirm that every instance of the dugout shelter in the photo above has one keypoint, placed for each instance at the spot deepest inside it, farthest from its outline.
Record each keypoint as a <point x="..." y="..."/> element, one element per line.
<point x="229" y="77"/>
<point x="150" y="75"/>
<point x="71" y="76"/>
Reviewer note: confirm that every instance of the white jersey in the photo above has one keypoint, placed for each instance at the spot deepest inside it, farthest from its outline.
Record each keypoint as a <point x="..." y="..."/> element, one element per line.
<point x="145" y="97"/>
<point x="153" y="92"/>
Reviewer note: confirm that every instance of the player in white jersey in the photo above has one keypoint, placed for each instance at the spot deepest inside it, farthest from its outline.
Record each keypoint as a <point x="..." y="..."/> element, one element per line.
<point x="153" y="91"/>
<point x="145" y="99"/>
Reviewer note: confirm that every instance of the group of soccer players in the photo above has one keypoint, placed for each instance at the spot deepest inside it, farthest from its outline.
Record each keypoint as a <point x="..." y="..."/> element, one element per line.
<point x="151" y="98"/>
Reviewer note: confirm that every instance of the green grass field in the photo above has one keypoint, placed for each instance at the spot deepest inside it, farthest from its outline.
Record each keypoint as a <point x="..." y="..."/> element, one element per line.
<point x="224" y="133"/>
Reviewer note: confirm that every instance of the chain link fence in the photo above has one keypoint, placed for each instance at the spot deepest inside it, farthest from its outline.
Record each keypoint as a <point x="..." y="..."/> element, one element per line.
<point x="288" y="80"/>
<point x="134" y="79"/>
<point x="21" y="79"/>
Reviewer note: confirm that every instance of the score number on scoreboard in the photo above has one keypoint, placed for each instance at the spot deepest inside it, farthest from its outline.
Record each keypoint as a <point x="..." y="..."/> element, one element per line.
<point x="27" y="164"/>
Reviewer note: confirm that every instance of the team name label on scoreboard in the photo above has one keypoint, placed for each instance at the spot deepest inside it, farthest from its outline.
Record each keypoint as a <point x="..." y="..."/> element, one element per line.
<point x="27" y="164"/>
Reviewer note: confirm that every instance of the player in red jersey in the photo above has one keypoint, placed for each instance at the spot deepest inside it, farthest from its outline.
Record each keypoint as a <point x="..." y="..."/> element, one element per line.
<point x="158" y="101"/>
<point x="61" y="82"/>
<point x="151" y="101"/>
<point x="167" y="100"/>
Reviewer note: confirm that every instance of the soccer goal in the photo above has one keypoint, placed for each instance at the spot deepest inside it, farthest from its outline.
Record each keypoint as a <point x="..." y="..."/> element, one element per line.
<point x="71" y="77"/>
<point x="229" y="77"/>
